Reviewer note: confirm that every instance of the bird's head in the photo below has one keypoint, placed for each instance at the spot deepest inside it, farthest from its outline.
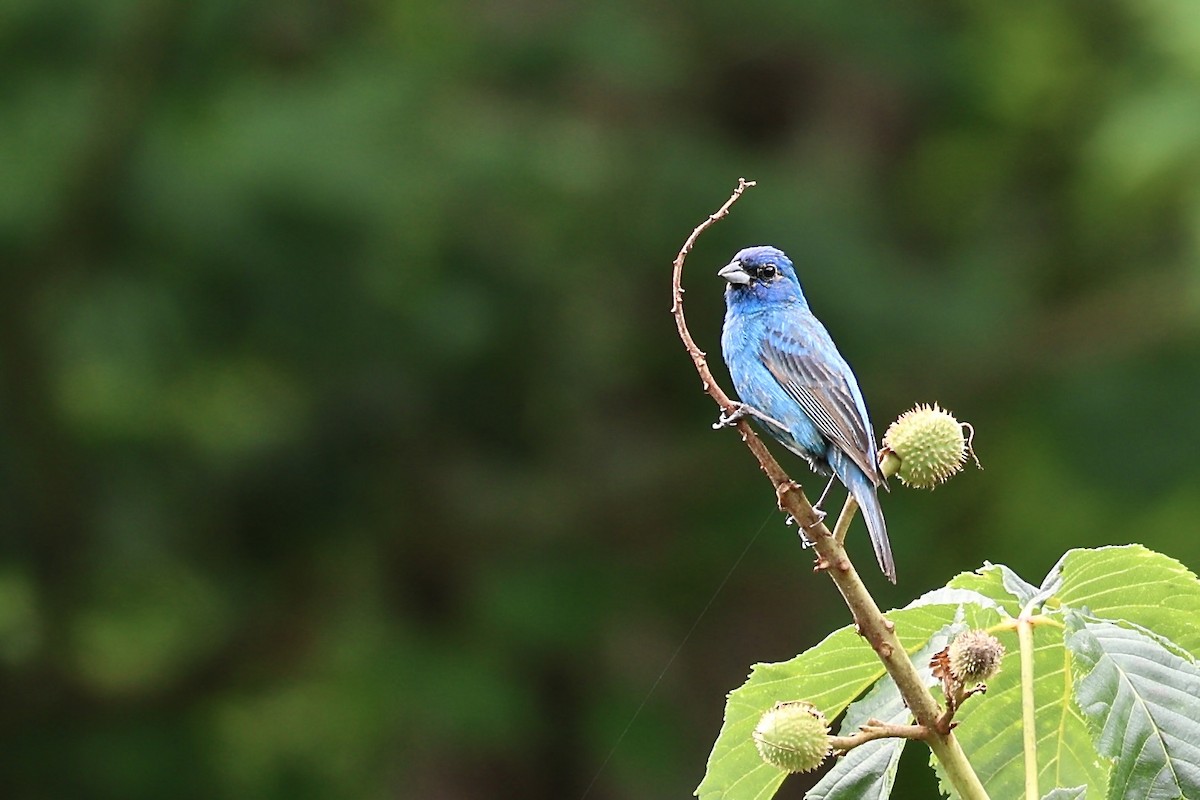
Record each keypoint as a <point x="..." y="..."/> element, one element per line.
<point x="761" y="275"/>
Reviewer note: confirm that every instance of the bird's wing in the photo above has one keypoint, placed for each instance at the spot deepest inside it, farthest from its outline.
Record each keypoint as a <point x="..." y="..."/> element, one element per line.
<point x="821" y="386"/>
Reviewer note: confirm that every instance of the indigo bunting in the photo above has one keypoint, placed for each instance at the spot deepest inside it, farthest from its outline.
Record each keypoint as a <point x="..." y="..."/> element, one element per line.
<point x="795" y="384"/>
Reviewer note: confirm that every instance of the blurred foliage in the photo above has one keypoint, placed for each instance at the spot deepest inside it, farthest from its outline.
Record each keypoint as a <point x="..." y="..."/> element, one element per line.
<point x="346" y="446"/>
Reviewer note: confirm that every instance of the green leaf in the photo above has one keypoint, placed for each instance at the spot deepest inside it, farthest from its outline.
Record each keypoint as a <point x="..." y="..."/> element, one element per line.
<point x="1014" y="584"/>
<point x="1074" y="793"/>
<point x="868" y="772"/>
<point x="993" y="582"/>
<point x="953" y="596"/>
<point x="990" y="726"/>
<point x="1139" y="698"/>
<point x="1134" y="584"/>
<point x="830" y="675"/>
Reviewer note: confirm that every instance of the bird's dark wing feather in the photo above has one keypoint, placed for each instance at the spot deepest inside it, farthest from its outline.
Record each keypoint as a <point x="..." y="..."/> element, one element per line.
<point x="823" y="394"/>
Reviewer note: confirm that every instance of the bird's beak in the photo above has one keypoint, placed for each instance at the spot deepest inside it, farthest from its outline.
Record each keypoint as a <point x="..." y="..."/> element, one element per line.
<point x="734" y="273"/>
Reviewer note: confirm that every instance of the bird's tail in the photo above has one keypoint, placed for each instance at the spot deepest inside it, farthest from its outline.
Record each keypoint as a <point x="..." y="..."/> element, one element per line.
<point x="864" y="491"/>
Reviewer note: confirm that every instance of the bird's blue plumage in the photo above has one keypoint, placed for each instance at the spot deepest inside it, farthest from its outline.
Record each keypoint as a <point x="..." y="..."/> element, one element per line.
<point x="785" y="365"/>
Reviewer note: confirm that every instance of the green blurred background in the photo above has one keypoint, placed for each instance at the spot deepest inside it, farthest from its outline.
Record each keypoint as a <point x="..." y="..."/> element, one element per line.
<point x="347" y="449"/>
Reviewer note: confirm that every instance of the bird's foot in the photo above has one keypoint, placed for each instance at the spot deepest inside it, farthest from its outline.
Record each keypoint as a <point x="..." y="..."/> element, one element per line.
<point x="730" y="418"/>
<point x="803" y="529"/>
<point x="740" y="412"/>
<point x="804" y="540"/>
<point x="790" y="520"/>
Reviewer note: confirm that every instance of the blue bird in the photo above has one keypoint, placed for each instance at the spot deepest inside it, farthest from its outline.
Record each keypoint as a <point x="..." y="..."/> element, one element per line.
<point x="793" y="381"/>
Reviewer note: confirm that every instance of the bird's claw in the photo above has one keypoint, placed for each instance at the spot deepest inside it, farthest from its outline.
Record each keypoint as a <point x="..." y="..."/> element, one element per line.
<point x="730" y="418"/>
<point x="740" y="412"/>
<point x="790" y="520"/>
<point x="803" y="529"/>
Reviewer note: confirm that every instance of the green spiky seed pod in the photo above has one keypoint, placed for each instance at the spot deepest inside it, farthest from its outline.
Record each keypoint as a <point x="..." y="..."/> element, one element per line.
<point x="793" y="736"/>
<point x="975" y="656"/>
<point x="924" y="447"/>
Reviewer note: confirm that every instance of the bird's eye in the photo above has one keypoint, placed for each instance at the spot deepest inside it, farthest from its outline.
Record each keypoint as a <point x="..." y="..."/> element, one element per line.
<point x="766" y="272"/>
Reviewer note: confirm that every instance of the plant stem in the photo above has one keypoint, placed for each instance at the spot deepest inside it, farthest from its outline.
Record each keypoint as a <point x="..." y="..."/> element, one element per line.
<point x="873" y="730"/>
<point x="845" y="518"/>
<point x="1028" y="722"/>
<point x="831" y="556"/>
